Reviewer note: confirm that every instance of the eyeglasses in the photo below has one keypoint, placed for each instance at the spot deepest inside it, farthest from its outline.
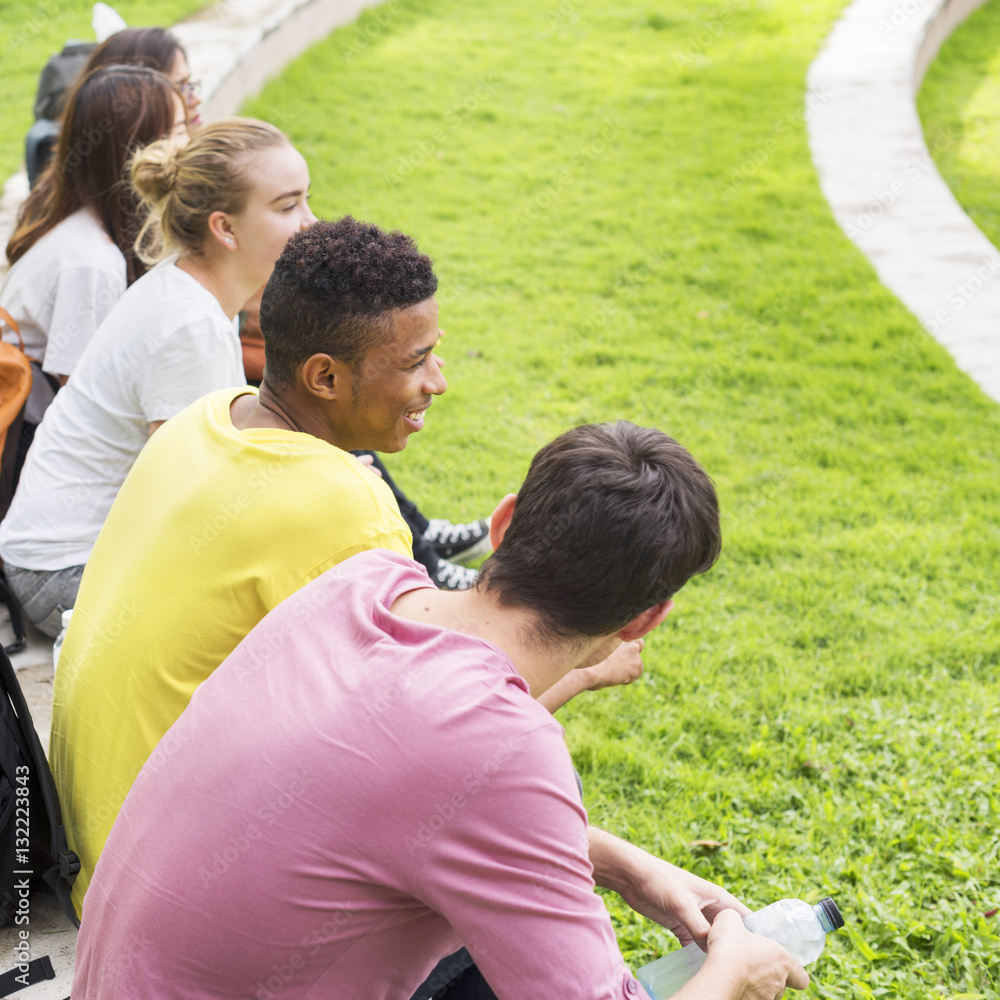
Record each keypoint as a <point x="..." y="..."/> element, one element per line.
<point x="190" y="88"/>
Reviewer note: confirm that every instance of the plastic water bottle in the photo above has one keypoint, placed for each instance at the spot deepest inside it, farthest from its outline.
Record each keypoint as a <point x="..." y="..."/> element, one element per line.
<point x="798" y="927"/>
<point x="57" y="645"/>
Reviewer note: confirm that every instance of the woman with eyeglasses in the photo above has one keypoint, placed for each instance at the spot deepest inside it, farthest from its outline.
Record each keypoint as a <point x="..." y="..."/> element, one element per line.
<point x="158" y="49"/>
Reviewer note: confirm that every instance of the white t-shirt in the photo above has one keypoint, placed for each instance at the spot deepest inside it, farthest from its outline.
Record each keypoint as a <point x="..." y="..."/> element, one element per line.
<point x="62" y="289"/>
<point x="165" y="344"/>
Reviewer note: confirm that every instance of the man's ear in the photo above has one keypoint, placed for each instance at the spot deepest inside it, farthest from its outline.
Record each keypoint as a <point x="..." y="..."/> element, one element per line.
<point x="326" y="377"/>
<point x="646" y="621"/>
<point x="500" y="521"/>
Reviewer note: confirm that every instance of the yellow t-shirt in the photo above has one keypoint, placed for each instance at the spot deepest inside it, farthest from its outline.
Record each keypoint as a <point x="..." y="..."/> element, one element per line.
<point x="212" y="529"/>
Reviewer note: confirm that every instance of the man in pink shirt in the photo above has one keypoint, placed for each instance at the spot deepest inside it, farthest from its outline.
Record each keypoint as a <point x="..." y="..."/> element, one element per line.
<point x="368" y="782"/>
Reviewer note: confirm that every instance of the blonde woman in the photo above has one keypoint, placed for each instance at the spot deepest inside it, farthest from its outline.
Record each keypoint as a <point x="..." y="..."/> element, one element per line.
<point x="219" y="213"/>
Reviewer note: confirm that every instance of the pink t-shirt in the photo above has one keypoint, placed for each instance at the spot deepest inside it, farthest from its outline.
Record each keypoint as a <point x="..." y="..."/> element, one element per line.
<point x="348" y="799"/>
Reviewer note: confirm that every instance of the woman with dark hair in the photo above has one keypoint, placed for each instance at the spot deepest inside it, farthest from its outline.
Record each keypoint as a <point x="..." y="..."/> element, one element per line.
<point x="71" y="253"/>
<point x="155" y="48"/>
<point x="158" y="49"/>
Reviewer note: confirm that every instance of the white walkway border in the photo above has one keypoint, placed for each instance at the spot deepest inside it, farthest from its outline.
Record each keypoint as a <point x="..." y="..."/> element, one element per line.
<point x="881" y="182"/>
<point x="234" y="47"/>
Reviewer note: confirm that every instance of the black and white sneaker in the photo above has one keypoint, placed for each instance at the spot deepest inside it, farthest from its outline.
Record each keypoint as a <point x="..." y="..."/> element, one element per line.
<point x="448" y="576"/>
<point x="460" y="542"/>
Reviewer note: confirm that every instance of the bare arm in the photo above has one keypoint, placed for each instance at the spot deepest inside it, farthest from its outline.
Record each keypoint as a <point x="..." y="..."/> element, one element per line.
<point x="673" y="897"/>
<point x="623" y="666"/>
<point x="155" y="425"/>
<point x="740" y="965"/>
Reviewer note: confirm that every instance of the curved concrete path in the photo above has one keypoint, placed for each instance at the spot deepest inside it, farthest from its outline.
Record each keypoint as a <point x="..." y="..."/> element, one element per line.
<point x="878" y="175"/>
<point x="234" y="47"/>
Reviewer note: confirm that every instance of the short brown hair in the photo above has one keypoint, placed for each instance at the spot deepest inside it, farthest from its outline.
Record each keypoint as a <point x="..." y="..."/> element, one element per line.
<point x="611" y="520"/>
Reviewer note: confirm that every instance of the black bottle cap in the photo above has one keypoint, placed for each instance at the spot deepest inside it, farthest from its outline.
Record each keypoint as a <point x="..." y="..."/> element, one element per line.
<point x="830" y="909"/>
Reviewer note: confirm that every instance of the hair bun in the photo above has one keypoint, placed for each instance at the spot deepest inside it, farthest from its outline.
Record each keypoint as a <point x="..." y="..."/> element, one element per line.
<point x="171" y="166"/>
<point x="155" y="169"/>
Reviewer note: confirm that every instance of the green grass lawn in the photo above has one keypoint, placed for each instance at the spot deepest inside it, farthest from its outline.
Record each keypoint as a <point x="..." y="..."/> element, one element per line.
<point x="627" y="223"/>
<point x="959" y="105"/>
<point x="32" y="31"/>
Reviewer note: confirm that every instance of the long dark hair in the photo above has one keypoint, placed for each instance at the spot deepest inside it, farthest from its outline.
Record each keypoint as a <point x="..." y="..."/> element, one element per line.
<point x="152" y="47"/>
<point x="112" y="112"/>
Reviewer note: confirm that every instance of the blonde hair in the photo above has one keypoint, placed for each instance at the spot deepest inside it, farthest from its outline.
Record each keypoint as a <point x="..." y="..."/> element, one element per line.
<point x="181" y="188"/>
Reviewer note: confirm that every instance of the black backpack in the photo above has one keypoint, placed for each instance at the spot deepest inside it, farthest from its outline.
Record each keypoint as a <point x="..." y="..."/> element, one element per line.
<point x="59" y="75"/>
<point x="13" y="605"/>
<point x="33" y="851"/>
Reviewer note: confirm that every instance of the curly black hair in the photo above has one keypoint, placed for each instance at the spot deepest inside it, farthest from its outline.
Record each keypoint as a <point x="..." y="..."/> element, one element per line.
<point x="332" y="292"/>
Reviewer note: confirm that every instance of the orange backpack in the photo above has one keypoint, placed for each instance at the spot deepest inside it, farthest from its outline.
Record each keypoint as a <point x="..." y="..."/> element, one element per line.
<point x="15" y="379"/>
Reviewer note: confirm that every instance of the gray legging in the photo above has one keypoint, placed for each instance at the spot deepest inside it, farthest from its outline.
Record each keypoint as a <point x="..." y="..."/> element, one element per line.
<point x="44" y="595"/>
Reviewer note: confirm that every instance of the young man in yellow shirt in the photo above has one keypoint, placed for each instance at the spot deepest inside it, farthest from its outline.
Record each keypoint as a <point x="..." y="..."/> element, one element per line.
<point x="242" y="499"/>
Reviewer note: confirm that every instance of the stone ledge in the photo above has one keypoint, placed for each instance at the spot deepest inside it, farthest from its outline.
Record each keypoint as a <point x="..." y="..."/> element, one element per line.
<point x="881" y="182"/>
